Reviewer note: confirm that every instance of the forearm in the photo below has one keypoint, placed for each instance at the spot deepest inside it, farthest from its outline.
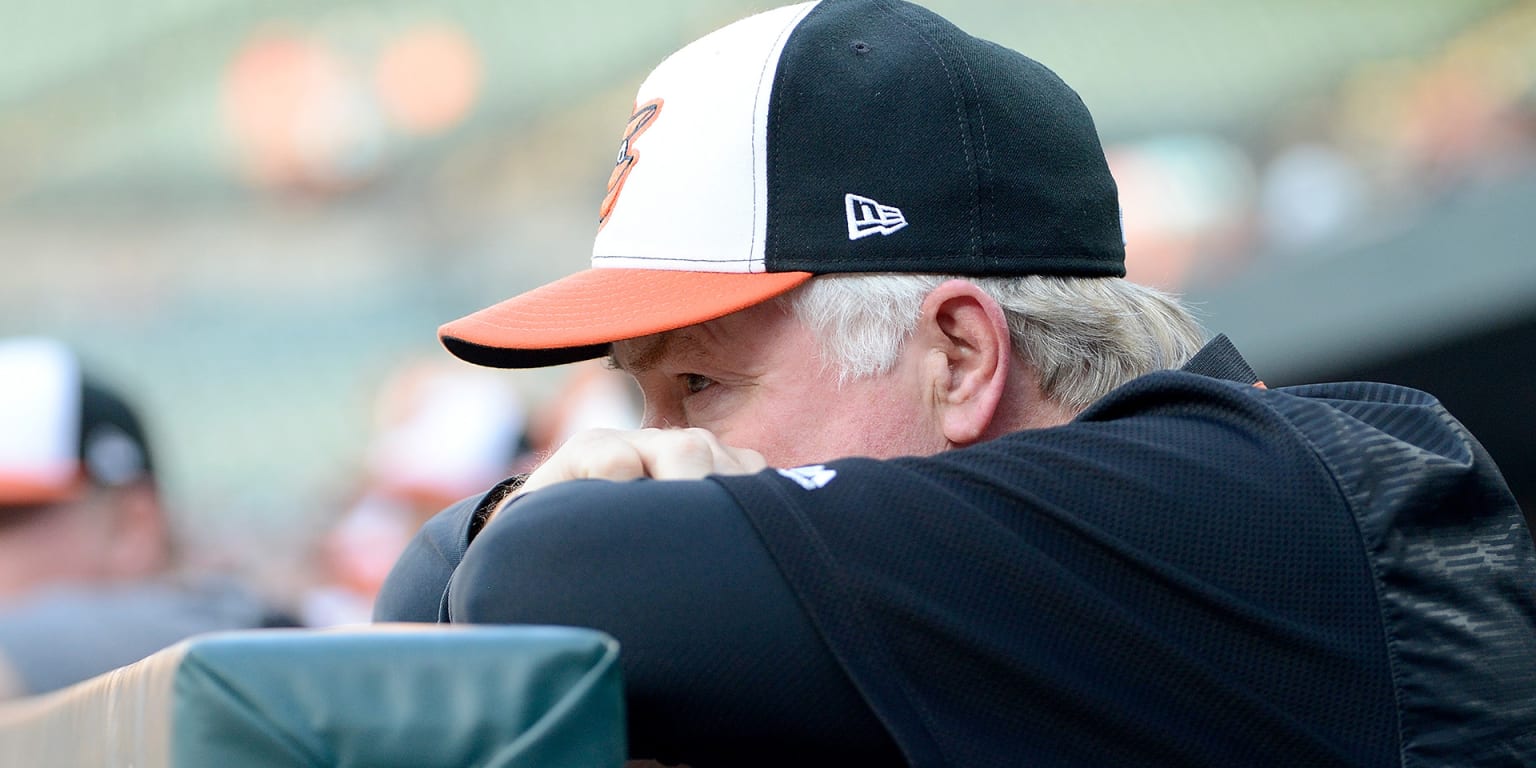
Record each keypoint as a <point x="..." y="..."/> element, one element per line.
<point x="709" y="630"/>
<point x="417" y="585"/>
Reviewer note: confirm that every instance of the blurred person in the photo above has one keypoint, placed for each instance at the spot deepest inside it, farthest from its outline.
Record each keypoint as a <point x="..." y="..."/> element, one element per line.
<point x="1310" y="192"/>
<point x="440" y="433"/>
<point x="1187" y="202"/>
<point x="88" y="566"/>
<point x="926" y="481"/>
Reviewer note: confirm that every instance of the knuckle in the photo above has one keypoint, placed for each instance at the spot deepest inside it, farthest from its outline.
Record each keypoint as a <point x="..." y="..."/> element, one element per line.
<point x="695" y="443"/>
<point x="587" y="438"/>
<point x="609" y="458"/>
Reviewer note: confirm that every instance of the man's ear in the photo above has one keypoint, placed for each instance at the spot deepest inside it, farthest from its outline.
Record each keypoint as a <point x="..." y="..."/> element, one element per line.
<point x="970" y="358"/>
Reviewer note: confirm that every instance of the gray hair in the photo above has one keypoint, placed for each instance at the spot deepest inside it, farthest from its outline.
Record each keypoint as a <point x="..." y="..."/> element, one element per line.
<point x="1083" y="336"/>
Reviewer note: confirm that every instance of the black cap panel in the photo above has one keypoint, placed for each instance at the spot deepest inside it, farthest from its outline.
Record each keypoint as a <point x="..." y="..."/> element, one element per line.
<point x="964" y="157"/>
<point x="114" y="448"/>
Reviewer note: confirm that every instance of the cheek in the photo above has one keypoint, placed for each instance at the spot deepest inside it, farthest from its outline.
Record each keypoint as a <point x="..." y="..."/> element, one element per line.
<point x="849" y="422"/>
<point x="785" y="437"/>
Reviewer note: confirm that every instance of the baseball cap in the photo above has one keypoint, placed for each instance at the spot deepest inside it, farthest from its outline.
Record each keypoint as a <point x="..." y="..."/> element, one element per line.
<point x="59" y="431"/>
<point x="826" y="137"/>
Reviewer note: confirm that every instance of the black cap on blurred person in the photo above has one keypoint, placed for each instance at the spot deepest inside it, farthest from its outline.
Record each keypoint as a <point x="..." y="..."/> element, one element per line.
<point x="60" y="431"/>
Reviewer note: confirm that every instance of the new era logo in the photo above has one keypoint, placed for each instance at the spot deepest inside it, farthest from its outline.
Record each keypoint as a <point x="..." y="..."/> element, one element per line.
<point x="811" y="477"/>
<point x="867" y="217"/>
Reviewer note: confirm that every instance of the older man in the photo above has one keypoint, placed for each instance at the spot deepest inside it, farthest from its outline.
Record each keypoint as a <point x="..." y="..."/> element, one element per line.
<point x="1013" y="512"/>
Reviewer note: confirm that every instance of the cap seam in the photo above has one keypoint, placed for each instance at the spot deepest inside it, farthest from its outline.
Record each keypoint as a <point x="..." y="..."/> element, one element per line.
<point x="776" y="56"/>
<point x="984" y="160"/>
<point x="965" y="135"/>
<point x="612" y="257"/>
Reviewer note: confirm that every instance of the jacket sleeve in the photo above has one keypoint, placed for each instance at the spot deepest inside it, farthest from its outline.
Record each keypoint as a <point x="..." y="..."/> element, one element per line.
<point x="417" y="587"/>
<point x="719" y="658"/>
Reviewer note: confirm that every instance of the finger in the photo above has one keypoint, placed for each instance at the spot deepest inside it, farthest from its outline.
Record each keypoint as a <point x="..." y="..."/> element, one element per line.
<point x="694" y="453"/>
<point x="610" y="457"/>
<point x="672" y="454"/>
<point x="678" y="454"/>
<point x="747" y="461"/>
<point x="605" y="454"/>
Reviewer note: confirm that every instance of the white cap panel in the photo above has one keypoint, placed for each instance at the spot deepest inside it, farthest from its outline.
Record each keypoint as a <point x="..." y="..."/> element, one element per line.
<point x="39" y="411"/>
<point x="695" y="197"/>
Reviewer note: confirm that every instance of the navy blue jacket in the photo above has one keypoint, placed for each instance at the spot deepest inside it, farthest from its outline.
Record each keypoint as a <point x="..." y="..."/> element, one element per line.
<point x="1194" y="571"/>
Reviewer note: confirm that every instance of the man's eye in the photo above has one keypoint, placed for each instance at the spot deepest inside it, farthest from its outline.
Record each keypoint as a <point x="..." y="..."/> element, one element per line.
<point x="695" y="383"/>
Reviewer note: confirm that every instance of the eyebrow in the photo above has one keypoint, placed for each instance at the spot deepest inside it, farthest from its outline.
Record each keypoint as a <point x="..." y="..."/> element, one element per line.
<point x="653" y="352"/>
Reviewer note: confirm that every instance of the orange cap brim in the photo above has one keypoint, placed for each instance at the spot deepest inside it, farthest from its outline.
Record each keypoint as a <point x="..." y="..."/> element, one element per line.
<point x="577" y="317"/>
<point x="21" y="490"/>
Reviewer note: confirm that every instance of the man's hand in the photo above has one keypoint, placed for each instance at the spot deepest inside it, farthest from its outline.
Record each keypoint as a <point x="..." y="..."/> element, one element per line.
<point x="661" y="454"/>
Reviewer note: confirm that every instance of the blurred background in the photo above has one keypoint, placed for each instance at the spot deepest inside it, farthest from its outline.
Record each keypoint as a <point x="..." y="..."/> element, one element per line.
<point x="254" y="215"/>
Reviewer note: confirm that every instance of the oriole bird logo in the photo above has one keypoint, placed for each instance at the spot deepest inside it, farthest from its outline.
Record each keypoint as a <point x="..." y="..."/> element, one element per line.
<point x="644" y="115"/>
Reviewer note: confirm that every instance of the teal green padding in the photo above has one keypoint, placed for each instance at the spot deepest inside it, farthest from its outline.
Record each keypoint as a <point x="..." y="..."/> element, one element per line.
<point x="498" y="697"/>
